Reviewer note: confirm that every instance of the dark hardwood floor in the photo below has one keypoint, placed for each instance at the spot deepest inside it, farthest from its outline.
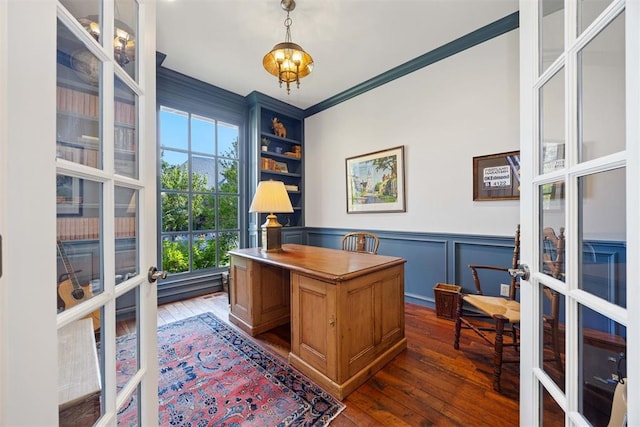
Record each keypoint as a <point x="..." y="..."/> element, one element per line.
<point x="429" y="384"/>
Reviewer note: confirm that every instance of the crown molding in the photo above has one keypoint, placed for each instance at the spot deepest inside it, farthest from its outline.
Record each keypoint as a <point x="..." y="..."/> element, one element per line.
<point x="481" y="35"/>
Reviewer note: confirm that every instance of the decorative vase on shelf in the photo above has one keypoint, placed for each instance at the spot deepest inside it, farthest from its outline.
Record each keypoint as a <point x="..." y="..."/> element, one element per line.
<point x="265" y="144"/>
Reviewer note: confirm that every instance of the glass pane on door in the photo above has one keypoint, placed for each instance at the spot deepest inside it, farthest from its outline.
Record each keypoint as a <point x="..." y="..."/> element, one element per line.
<point x="602" y="220"/>
<point x="552" y="414"/>
<point x="551" y="32"/>
<point x="79" y="122"/>
<point x="552" y="336"/>
<point x="552" y="124"/>
<point x="125" y="43"/>
<point x="588" y="10"/>
<point x="79" y="211"/>
<point x="129" y="415"/>
<point x="603" y="349"/>
<point x="85" y="11"/>
<point x="552" y="223"/>
<point x="602" y="98"/>
<point x="126" y="226"/>
<point x="127" y="350"/>
<point x="80" y="380"/>
<point x="125" y="130"/>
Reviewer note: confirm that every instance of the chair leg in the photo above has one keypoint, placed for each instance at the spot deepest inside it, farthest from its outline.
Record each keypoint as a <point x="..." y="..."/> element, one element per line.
<point x="456" y="340"/>
<point x="497" y="352"/>
<point x="555" y="342"/>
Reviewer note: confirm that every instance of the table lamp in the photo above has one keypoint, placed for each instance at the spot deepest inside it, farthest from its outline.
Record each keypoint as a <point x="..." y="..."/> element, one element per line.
<point x="270" y="197"/>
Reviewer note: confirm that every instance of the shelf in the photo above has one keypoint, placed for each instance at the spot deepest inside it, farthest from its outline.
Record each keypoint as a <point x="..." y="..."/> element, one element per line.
<point x="295" y="175"/>
<point x="279" y="138"/>
<point x="280" y="156"/>
<point x="91" y="144"/>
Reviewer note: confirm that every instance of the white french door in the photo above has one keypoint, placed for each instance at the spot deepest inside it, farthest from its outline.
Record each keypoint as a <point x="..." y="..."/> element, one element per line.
<point x="580" y="146"/>
<point x="78" y="212"/>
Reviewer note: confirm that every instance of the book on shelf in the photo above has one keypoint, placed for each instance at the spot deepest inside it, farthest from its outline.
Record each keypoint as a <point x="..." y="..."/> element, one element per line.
<point x="73" y="154"/>
<point x="268" y="164"/>
<point x="291" y="187"/>
<point x="88" y="104"/>
<point x="88" y="228"/>
<point x="125" y="139"/>
<point x="78" y="102"/>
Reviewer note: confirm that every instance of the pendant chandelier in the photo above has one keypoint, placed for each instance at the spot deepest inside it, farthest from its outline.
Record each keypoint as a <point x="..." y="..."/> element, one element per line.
<point x="288" y="61"/>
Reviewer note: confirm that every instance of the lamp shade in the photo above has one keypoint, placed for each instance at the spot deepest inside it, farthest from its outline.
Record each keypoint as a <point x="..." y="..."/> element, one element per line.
<point x="271" y="197"/>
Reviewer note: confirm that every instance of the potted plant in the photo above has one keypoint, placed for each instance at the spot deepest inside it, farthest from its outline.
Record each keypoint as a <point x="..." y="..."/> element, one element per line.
<point x="265" y="143"/>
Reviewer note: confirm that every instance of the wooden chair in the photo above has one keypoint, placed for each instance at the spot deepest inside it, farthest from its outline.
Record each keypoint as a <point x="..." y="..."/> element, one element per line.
<point x="502" y="312"/>
<point x="553" y="253"/>
<point x="360" y="241"/>
<point x="553" y="265"/>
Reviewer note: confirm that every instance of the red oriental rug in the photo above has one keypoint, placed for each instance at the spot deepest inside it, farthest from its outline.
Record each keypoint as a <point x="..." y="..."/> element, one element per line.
<point x="211" y="375"/>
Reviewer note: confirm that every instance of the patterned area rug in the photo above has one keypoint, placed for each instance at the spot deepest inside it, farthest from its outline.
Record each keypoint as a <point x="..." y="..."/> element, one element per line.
<point x="211" y="375"/>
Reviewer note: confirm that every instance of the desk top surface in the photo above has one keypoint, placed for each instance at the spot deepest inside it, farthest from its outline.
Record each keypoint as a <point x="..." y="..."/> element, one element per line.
<point x="332" y="264"/>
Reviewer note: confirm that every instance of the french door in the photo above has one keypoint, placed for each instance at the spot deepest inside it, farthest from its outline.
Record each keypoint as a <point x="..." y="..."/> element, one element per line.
<point x="580" y="145"/>
<point x="78" y="213"/>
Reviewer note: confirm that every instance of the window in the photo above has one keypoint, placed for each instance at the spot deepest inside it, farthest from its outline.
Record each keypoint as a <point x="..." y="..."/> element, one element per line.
<point x="199" y="191"/>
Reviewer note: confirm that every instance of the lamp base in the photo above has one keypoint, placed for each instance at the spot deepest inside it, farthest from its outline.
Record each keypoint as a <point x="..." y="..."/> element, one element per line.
<point x="271" y="235"/>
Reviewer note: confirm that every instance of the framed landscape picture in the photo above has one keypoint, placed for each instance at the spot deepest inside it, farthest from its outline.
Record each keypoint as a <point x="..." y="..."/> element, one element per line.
<point x="375" y="182"/>
<point x="497" y="176"/>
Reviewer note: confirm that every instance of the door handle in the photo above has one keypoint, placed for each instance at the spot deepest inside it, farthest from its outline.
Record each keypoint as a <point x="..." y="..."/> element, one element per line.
<point x="155" y="274"/>
<point x="522" y="271"/>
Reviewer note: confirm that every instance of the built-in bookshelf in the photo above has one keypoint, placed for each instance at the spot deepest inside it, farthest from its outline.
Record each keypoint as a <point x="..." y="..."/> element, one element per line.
<point x="279" y="157"/>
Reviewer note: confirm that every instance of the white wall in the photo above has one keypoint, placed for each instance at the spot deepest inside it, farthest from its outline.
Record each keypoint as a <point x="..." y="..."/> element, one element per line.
<point x="444" y="115"/>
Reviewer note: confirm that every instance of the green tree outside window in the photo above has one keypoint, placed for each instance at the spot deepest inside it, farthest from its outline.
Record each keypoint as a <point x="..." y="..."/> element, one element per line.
<point x="200" y="222"/>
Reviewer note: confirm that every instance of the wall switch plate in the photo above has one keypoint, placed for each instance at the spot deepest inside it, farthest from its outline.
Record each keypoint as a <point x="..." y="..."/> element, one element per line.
<point x="504" y="290"/>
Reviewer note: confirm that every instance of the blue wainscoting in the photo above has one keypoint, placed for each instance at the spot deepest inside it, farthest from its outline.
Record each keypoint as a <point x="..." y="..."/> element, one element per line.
<point x="432" y="258"/>
<point x="444" y="258"/>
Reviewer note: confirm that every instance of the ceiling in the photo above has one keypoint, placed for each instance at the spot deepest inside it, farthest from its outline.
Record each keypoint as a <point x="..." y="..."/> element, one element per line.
<point x="222" y="42"/>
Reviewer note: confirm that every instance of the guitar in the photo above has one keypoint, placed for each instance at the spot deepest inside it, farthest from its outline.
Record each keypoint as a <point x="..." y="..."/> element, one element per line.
<point x="71" y="292"/>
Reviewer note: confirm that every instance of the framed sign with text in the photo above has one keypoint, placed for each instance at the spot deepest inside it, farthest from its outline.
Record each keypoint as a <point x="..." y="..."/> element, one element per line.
<point x="497" y="176"/>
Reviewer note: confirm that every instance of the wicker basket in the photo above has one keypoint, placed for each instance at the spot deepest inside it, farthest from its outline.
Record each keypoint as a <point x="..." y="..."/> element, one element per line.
<point x="446" y="300"/>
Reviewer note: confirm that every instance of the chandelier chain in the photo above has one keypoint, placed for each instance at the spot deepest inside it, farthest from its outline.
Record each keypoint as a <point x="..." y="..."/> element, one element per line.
<point x="287" y="24"/>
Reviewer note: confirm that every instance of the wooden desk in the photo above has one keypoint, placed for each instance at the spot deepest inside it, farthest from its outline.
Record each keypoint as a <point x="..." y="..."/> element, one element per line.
<point x="346" y="309"/>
